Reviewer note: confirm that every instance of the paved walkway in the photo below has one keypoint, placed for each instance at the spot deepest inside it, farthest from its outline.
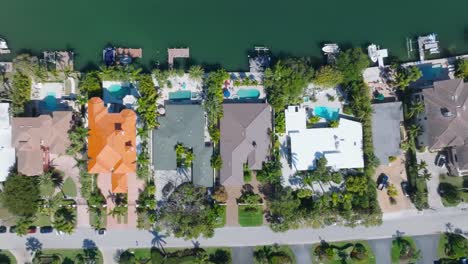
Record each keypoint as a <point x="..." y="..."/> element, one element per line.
<point x="232" y="217"/>
<point x="382" y="250"/>
<point x="109" y="256"/>
<point x="21" y="255"/>
<point x="302" y="253"/>
<point x="434" y="199"/>
<point x="428" y="246"/>
<point x="242" y="255"/>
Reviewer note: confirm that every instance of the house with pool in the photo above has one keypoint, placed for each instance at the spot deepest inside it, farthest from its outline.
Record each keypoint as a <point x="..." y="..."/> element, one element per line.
<point x="47" y="97"/>
<point x="184" y="125"/>
<point x="341" y="146"/>
<point x="120" y="95"/>
<point x="178" y="88"/>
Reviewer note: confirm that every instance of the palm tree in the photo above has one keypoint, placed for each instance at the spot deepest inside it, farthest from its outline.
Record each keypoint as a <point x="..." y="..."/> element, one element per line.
<point x="196" y="73"/>
<point x="64" y="220"/>
<point x="416" y="109"/>
<point x="57" y="181"/>
<point x="426" y="175"/>
<point x="414" y="131"/>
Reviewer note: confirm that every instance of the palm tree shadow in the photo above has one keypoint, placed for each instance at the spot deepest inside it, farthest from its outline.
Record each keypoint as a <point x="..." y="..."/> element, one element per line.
<point x="158" y="240"/>
<point x="33" y="244"/>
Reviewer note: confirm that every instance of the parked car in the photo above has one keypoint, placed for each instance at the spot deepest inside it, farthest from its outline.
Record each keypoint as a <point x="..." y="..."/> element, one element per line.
<point x="404" y="188"/>
<point x="46" y="229"/>
<point x="59" y="232"/>
<point x="3" y="229"/>
<point x="101" y="231"/>
<point x="383" y="181"/>
<point x="32" y="230"/>
<point x="12" y="229"/>
<point x="440" y="160"/>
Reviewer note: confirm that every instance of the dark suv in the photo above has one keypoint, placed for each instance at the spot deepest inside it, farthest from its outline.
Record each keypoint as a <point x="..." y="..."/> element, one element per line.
<point x="46" y="229"/>
<point x="3" y="229"/>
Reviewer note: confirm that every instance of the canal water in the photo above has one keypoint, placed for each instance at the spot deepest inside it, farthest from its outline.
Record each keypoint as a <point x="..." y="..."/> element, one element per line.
<point x="221" y="32"/>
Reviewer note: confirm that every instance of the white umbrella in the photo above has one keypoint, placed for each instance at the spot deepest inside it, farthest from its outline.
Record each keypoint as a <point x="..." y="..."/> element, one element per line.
<point x="129" y="100"/>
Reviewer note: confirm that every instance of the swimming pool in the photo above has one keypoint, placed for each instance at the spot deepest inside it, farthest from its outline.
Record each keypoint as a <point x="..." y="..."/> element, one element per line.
<point x="329" y="113"/>
<point x="248" y="93"/>
<point x="432" y="72"/>
<point x="118" y="91"/>
<point x="180" y="95"/>
<point x="50" y="101"/>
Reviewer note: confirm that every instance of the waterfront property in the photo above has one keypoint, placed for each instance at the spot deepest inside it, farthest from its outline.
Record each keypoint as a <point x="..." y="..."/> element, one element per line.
<point x="61" y="60"/>
<point x="341" y="146"/>
<point x="7" y="152"/>
<point x="112" y="155"/>
<point x="178" y="88"/>
<point x="183" y="124"/>
<point x="387" y="120"/>
<point x="243" y="86"/>
<point x="120" y="94"/>
<point x="245" y="140"/>
<point x="47" y="97"/>
<point x="445" y="122"/>
<point x="35" y="138"/>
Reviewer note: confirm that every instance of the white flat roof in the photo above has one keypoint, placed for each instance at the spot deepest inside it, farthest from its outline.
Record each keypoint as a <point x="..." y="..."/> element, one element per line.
<point x="7" y="152"/>
<point x="341" y="146"/>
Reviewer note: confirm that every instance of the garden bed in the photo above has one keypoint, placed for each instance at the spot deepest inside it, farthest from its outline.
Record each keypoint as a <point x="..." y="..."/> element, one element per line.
<point x="343" y="252"/>
<point x="397" y="248"/>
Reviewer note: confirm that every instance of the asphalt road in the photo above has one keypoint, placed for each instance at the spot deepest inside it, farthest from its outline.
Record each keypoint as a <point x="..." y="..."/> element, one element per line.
<point x="411" y="223"/>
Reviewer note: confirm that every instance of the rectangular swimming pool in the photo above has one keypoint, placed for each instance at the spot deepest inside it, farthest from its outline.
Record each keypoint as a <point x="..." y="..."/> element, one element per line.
<point x="432" y="72"/>
<point x="180" y="95"/>
<point x="328" y="113"/>
<point x="249" y="93"/>
<point x="118" y="91"/>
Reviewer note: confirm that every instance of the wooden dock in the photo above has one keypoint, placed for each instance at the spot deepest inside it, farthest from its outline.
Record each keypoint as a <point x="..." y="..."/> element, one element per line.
<point x="176" y="53"/>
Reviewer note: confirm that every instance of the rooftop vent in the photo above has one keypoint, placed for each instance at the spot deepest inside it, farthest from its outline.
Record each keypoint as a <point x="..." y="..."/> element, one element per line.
<point x="118" y="126"/>
<point x="446" y="112"/>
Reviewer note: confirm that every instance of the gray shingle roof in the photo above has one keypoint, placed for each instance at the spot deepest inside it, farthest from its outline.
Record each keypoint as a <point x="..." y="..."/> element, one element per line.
<point x="447" y="130"/>
<point x="183" y="123"/>
<point x="244" y="139"/>
<point x="386" y="119"/>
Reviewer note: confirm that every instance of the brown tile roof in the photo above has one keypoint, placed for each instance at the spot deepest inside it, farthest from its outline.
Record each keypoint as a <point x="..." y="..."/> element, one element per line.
<point x="449" y="129"/>
<point x="30" y="133"/>
<point x="244" y="139"/>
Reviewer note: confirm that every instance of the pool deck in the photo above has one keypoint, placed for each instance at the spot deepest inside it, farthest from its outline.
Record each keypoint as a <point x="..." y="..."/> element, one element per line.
<point x="322" y="100"/>
<point x="109" y="98"/>
<point x="233" y="89"/>
<point x="177" y="85"/>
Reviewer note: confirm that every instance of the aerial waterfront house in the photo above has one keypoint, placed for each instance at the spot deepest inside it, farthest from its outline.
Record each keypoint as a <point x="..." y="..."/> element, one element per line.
<point x="7" y="152"/>
<point x="341" y="146"/>
<point x="120" y="94"/>
<point x="245" y="140"/>
<point x="112" y="154"/>
<point x="183" y="124"/>
<point x="445" y="122"/>
<point x="35" y="138"/>
<point x="387" y="119"/>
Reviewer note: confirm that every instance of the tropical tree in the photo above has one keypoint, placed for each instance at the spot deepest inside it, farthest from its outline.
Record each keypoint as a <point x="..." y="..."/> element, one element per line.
<point x="90" y="86"/>
<point x="415" y="109"/>
<point x="392" y="191"/>
<point x="21" y="92"/>
<point x="328" y="76"/>
<point x="64" y="220"/>
<point x="414" y="131"/>
<point x="196" y="73"/>
<point x="351" y="64"/>
<point x="462" y="69"/>
<point x="23" y="224"/>
<point x="21" y="195"/>
<point x="405" y="76"/>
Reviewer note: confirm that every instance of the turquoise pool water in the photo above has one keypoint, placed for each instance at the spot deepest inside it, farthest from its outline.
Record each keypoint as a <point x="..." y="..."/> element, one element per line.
<point x="118" y="91"/>
<point x="50" y="101"/>
<point x="432" y="72"/>
<point x="329" y="113"/>
<point x="248" y="93"/>
<point x="180" y="95"/>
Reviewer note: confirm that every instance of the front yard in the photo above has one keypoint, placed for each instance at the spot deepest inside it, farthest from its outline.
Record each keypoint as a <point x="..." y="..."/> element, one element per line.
<point x="356" y="252"/>
<point x="218" y="255"/>
<point x="404" y="250"/>
<point x="250" y="215"/>
<point x="6" y="257"/>
<point x="460" y="186"/>
<point x="452" y="246"/>
<point x="69" y="256"/>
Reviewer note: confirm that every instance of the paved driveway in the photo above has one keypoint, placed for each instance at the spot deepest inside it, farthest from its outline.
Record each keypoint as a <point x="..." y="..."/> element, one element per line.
<point x="242" y="255"/>
<point x="302" y="253"/>
<point x="428" y="245"/>
<point x="433" y="196"/>
<point x="382" y="250"/>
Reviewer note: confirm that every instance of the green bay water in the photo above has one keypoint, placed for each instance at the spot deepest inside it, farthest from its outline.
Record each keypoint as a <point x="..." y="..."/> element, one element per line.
<point x="221" y="32"/>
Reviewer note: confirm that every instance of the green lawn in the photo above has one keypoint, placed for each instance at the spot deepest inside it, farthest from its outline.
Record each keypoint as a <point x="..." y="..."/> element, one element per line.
<point x="6" y="257"/>
<point x="92" y="216"/>
<point x="221" y="221"/>
<point x="460" y="182"/>
<point x="458" y="252"/>
<point x="46" y="190"/>
<point x="69" y="255"/>
<point x="218" y="255"/>
<point x="345" y="247"/>
<point x="6" y="217"/>
<point x="42" y="220"/>
<point x="249" y="216"/>
<point x="69" y="187"/>
<point x="283" y="248"/>
<point x="395" y="251"/>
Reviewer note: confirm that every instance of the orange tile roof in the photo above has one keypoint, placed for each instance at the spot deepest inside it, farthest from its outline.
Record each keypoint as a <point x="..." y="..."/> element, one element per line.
<point x="111" y="142"/>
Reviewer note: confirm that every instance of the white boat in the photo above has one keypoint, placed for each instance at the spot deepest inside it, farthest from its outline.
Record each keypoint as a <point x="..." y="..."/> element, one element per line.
<point x="331" y="48"/>
<point x="3" y="44"/>
<point x="373" y="52"/>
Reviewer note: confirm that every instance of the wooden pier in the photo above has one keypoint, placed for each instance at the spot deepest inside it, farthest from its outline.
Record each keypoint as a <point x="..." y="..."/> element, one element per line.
<point x="176" y="53"/>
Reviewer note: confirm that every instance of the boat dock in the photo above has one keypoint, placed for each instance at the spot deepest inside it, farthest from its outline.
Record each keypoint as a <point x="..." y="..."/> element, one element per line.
<point x="133" y="53"/>
<point x="176" y="53"/>
<point x="428" y="43"/>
